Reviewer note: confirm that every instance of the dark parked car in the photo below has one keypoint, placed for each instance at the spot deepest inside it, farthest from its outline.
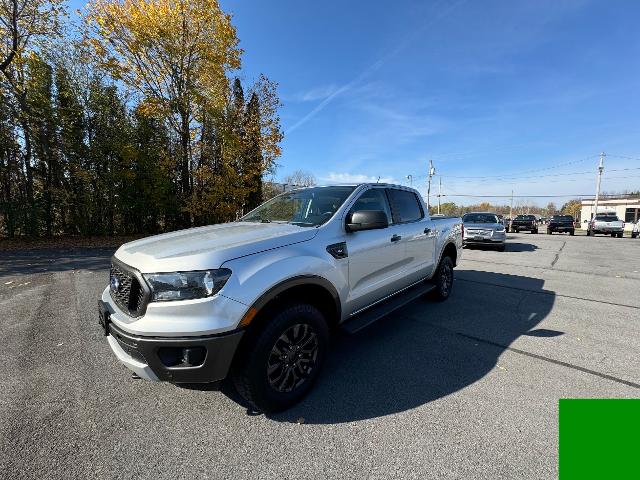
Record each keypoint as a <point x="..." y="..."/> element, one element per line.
<point x="525" y="222"/>
<point x="561" y="223"/>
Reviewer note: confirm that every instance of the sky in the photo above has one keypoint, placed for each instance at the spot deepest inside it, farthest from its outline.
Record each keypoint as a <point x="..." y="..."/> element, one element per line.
<point x="525" y="94"/>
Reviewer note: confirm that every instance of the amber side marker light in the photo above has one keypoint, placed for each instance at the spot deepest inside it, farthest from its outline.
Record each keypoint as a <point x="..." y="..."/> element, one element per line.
<point x="246" y="320"/>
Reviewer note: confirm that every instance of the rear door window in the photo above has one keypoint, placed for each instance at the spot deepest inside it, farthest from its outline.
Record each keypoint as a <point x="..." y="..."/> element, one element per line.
<point x="405" y="206"/>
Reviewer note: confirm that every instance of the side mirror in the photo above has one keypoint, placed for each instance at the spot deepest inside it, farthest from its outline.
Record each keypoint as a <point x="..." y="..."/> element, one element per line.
<point x="366" y="220"/>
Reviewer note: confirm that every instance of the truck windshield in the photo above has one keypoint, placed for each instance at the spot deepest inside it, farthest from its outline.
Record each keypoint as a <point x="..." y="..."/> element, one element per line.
<point x="606" y="218"/>
<point x="308" y="207"/>
<point x="562" y="218"/>
<point x="525" y="217"/>
<point x="480" y="218"/>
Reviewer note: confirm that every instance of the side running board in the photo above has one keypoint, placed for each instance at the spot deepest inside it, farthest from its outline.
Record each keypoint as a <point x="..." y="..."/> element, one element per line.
<point x="384" y="308"/>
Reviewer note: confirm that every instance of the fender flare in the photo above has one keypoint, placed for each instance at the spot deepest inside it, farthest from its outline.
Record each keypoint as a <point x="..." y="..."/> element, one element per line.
<point x="296" y="281"/>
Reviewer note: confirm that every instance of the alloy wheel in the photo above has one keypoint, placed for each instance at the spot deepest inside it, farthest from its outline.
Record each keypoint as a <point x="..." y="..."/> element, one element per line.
<point x="293" y="358"/>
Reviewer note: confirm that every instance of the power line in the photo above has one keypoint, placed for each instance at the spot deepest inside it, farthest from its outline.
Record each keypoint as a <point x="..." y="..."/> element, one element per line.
<point x="519" y="173"/>
<point x="536" y="196"/>
<point x="517" y="176"/>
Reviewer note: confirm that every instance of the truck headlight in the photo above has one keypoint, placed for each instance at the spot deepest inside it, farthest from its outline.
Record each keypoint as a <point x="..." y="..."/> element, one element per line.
<point x="186" y="285"/>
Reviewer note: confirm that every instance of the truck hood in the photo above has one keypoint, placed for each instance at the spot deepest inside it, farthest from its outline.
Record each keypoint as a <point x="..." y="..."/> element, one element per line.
<point x="208" y="247"/>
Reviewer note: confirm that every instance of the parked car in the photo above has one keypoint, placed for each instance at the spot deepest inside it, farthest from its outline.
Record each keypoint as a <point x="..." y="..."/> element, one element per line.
<point x="606" y="224"/>
<point x="561" y="223"/>
<point x="257" y="299"/>
<point x="525" y="222"/>
<point x="484" y="228"/>
<point x="636" y="230"/>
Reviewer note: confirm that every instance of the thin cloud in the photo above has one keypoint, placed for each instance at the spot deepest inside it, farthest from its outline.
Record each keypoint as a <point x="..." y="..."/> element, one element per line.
<point x="340" y="177"/>
<point x="313" y="94"/>
<point x="410" y="38"/>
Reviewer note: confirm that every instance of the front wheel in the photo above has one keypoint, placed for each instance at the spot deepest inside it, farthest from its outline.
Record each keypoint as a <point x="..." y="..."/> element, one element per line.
<point x="443" y="280"/>
<point x="279" y="363"/>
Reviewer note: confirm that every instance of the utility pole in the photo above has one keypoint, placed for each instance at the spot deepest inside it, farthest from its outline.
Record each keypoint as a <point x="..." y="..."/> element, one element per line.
<point x="600" y="169"/>
<point x="511" y="207"/>
<point x="439" y="193"/>
<point x="432" y="171"/>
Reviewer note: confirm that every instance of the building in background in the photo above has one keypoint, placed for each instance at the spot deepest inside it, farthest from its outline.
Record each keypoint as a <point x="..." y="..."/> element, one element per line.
<point x="626" y="207"/>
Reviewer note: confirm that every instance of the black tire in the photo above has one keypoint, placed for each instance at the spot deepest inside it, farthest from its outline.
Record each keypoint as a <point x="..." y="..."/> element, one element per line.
<point x="443" y="280"/>
<point x="572" y="233"/>
<point x="549" y="232"/>
<point x="620" y="235"/>
<point x="613" y="235"/>
<point x="292" y="325"/>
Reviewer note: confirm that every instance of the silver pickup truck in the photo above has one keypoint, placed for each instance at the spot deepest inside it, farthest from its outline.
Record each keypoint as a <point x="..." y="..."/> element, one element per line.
<point x="607" y="224"/>
<point x="257" y="299"/>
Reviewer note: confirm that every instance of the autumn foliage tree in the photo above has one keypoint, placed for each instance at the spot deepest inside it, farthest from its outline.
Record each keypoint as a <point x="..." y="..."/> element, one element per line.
<point x="140" y="127"/>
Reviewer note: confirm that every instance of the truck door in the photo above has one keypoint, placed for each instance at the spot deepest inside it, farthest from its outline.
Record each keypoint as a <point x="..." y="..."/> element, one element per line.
<point x="376" y="257"/>
<point x="418" y="230"/>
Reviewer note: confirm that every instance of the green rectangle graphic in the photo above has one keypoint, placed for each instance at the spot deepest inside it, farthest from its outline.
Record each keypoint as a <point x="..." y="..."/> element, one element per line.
<point x="599" y="438"/>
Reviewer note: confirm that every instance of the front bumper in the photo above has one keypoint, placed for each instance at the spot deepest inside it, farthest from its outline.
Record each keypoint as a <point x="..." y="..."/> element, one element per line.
<point x="193" y="359"/>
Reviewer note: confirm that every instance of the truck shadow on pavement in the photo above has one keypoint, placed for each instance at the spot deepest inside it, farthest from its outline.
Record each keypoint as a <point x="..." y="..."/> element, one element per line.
<point x="426" y="350"/>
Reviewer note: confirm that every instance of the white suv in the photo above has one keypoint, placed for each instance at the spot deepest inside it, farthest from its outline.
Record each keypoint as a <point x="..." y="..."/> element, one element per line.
<point x="257" y="298"/>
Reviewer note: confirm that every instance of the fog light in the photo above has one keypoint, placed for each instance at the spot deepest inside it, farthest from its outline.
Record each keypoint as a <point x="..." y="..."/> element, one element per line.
<point x="179" y="357"/>
<point x="193" y="357"/>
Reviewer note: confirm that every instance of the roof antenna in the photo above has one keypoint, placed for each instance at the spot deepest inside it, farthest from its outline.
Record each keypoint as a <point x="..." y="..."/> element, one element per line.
<point x="378" y="181"/>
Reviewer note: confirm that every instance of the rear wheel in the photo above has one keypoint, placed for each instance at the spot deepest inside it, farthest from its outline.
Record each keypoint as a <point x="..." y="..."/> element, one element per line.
<point x="572" y="232"/>
<point x="620" y="235"/>
<point x="279" y="363"/>
<point x="549" y="232"/>
<point x="443" y="280"/>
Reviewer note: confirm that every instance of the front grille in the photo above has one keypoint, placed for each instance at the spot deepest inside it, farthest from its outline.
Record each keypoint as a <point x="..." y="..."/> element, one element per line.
<point x="129" y="294"/>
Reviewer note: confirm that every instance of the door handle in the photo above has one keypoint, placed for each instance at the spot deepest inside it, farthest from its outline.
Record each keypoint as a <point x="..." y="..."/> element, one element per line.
<point x="395" y="238"/>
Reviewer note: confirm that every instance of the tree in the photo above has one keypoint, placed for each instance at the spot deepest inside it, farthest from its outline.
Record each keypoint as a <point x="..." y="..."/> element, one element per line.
<point x="550" y="209"/>
<point x="26" y="27"/>
<point x="300" y="178"/>
<point x="573" y="208"/>
<point x="449" y="208"/>
<point x="174" y="55"/>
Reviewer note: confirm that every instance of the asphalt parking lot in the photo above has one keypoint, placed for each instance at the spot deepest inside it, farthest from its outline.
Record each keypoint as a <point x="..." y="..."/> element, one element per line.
<point x="463" y="389"/>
